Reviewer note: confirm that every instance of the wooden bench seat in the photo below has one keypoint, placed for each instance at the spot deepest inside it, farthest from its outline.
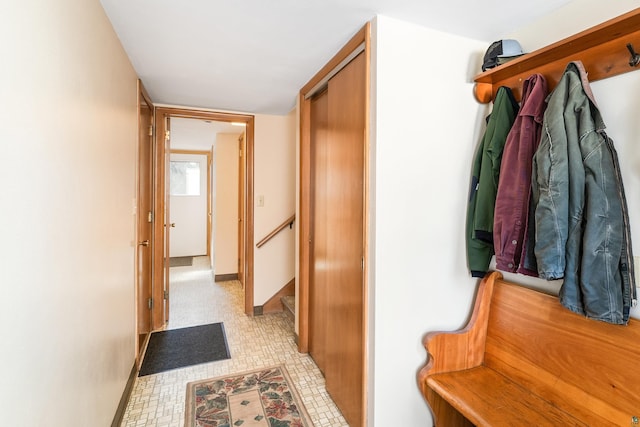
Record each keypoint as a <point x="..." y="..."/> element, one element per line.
<point x="523" y="359"/>
<point x="467" y="392"/>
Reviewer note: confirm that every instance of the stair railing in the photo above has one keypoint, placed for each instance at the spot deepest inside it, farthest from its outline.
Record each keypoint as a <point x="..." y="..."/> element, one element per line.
<point x="278" y="229"/>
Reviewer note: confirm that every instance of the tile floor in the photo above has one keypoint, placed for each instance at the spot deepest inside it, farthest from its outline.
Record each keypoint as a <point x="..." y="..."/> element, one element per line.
<point x="158" y="400"/>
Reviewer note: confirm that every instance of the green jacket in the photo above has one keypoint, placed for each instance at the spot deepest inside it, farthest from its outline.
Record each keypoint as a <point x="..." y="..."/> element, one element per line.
<point x="484" y="182"/>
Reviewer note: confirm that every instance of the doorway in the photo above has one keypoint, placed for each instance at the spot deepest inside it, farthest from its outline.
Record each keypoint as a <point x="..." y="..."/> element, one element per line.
<point x="190" y="214"/>
<point x="162" y="229"/>
<point x="205" y="223"/>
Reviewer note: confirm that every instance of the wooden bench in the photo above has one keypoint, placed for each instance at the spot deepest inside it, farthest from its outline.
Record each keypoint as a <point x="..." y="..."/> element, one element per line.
<point x="524" y="360"/>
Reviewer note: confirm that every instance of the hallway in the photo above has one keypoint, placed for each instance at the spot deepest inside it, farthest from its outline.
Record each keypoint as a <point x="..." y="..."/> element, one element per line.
<point x="158" y="400"/>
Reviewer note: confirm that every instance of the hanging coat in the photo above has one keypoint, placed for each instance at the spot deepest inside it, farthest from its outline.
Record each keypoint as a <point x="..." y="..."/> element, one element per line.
<point x="514" y="225"/>
<point x="484" y="182"/>
<point x="582" y="225"/>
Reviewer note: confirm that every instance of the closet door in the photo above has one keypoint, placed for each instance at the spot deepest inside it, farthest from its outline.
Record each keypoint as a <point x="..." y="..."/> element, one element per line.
<point x="319" y="202"/>
<point x="339" y="248"/>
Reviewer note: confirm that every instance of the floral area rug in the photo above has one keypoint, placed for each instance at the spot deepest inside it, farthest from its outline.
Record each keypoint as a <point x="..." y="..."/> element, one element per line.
<point x="261" y="398"/>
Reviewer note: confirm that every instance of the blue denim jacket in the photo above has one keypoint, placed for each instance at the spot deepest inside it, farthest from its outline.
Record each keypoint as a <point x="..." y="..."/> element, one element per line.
<point x="582" y="225"/>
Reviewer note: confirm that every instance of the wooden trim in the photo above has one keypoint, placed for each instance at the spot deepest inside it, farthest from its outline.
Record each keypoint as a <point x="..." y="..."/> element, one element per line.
<point x="124" y="399"/>
<point x="602" y="49"/>
<point x="209" y="155"/>
<point x="249" y="208"/>
<point x="366" y="227"/>
<point x="207" y="115"/>
<point x="143" y="92"/>
<point x="198" y="152"/>
<point x="241" y="208"/>
<point x="278" y="229"/>
<point x="274" y="304"/>
<point x="322" y="85"/>
<point x="225" y="277"/>
<point x="351" y="45"/>
<point x="249" y="120"/>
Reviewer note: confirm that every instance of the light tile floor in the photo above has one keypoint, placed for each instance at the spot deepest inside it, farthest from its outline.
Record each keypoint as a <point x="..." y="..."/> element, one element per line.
<point x="254" y="342"/>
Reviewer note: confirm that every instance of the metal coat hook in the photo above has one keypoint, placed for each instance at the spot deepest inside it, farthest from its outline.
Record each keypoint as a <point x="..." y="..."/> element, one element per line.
<point x="635" y="58"/>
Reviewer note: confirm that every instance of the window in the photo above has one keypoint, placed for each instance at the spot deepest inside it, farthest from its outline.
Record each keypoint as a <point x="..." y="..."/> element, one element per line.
<point x="184" y="178"/>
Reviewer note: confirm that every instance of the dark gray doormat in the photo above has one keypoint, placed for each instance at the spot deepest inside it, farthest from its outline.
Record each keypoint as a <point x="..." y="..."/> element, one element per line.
<point x="177" y="348"/>
<point x="180" y="261"/>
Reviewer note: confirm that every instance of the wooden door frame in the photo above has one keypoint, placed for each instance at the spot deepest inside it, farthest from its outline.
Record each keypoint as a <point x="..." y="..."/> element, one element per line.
<point x="209" y="157"/>
<point x="159" y="226"/>
<point x="143" y="97"/>
<point x="241" y="208"/>
<point x="362" y="36"/>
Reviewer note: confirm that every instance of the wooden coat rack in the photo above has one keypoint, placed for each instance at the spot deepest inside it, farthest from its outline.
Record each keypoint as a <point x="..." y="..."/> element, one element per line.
<point x="606" y="50"/>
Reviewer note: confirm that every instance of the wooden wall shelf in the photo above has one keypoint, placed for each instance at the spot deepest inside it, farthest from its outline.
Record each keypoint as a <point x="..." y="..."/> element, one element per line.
<point x="602" y="49"/>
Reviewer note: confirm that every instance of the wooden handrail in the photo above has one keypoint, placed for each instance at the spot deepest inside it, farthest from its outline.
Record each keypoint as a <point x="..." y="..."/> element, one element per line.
<point x="278" y="229"/>
<point x="602" y="49"/>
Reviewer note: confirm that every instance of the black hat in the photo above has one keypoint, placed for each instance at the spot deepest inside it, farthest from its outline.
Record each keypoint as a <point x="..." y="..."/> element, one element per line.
<point x="500" y="52"/>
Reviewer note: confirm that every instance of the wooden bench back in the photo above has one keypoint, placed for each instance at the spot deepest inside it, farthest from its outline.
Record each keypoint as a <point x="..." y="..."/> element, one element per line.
<point x="567" y="359"/>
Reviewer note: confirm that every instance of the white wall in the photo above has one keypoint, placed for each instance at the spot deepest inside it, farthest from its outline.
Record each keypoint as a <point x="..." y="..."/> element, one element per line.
<point x="576" y="16"/>
<point x="275" y="174"/>
<point x="225" y="211"/>
<point x="425" y="127"/>
<point x="69" y="129"/>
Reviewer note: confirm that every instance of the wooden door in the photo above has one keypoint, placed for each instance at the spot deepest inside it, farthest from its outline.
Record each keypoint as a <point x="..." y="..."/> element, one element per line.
<point x="345" y="242"/>
<point x="159" y="222"/>
<point x="164" y="300"/>
<point x="161" y="227"/>
<point x="319" y="128"/>
<point x="144" y="219"/>
<point x="336" y="294"/>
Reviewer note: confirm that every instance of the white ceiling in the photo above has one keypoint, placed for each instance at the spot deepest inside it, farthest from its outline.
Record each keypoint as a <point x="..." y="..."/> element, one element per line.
<point x="254" y="55"/>
<point x="198" y="134"/>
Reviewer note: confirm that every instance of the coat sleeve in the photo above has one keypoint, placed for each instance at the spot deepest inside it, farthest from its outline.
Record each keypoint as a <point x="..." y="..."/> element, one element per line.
<point x="550" y="189"/>
<point x="479" y="252"/>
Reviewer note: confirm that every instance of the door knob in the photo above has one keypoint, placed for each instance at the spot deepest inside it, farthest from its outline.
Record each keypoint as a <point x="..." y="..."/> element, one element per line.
<point x="144" y="243"/>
